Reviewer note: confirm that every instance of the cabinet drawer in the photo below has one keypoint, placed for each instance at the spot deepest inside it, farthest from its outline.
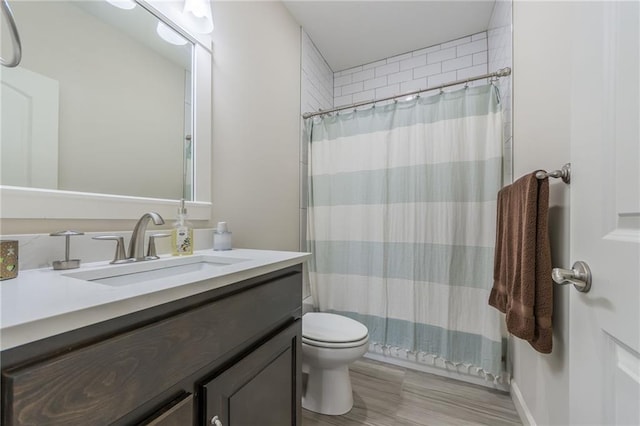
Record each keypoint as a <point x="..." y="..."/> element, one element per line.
<point x="100" y="383"/>
<point x="178" y="414"/>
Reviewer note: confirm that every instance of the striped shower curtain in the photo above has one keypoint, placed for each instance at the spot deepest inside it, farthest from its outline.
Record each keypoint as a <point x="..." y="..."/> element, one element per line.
<point x="401" y="224"/>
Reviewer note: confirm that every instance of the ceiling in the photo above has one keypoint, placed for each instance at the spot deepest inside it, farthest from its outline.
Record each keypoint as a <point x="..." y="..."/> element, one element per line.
<point x="351" y="33"/>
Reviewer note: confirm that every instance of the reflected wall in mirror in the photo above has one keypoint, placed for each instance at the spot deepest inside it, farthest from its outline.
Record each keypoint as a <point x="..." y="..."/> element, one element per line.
<point x="99" y="104"/>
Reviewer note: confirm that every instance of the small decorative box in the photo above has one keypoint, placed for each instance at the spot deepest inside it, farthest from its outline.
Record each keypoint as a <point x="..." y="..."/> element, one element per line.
<point x="8" y="259"/>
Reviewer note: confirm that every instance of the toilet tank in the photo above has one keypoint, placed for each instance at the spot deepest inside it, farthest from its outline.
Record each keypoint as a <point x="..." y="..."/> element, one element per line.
<point x="307" y="305"/>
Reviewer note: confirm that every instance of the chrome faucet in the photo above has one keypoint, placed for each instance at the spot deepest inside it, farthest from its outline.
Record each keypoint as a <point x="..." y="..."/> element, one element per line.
<point x="136" y="245"/>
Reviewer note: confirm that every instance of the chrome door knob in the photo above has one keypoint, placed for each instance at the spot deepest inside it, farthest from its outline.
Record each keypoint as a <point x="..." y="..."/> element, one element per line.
<point x="579" y="275"/>
<point x="215" y="421"/>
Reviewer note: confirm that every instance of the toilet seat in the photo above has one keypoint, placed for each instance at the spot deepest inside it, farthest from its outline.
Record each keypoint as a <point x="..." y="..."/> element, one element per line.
<point x="330" y="345"/>
<point x="327" y="330"/>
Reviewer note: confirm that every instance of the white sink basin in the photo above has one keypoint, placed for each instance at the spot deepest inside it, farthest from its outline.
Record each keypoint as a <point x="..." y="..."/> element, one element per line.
<point x="138" y="272"/>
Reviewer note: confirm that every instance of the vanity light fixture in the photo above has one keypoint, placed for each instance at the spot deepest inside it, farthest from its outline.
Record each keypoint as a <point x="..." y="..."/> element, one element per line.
<point x="198" y="15"/>
<point x="123" y="4"/>
<point x="169" y="35"/>
<point x="195" y="16"/>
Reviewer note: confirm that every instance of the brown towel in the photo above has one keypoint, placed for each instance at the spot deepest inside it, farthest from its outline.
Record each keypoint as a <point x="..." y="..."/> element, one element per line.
<point x="522" y="285"/>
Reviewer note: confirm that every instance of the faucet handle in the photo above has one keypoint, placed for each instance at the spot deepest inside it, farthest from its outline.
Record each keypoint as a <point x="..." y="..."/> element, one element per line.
<point x="151" y="249"/>
<point x="120" y="256"/>
<point x="66" y="263"/>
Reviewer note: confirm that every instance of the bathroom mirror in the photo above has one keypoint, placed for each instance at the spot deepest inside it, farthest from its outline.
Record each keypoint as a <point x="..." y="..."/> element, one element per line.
<point x="104" y="108"/>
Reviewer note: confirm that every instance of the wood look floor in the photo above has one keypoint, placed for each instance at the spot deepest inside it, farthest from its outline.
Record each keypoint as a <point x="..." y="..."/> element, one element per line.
<point x="387" y="395"/>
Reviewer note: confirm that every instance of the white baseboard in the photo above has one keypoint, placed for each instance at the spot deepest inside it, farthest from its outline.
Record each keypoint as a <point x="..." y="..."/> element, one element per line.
<point x="521" y="406"/>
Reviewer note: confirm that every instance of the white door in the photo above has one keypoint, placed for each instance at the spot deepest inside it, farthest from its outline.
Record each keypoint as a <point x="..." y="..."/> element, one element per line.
<point x="29" y="130"/>
<point x="605" y="213"/>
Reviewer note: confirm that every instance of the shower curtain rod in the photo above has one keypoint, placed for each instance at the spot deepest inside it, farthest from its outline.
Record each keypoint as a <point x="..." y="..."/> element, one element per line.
<point x="500" y="73"/>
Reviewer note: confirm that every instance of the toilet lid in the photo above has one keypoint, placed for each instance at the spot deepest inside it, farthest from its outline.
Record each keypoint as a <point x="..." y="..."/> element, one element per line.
<point x="325" y="327"/>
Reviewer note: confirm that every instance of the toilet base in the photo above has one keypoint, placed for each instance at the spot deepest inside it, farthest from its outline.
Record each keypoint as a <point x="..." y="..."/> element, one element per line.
<point x="328" y="391"/>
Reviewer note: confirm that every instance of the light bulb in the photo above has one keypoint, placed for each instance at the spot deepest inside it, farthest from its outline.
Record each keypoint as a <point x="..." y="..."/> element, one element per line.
<point x="197" y="7"/>
<point x="198" y="16"/>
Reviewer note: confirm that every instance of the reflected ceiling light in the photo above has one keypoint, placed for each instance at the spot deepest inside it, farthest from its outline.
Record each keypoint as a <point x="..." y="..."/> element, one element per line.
<point x="123" y="4"/>
<point x="198" y="15"/>
<point x="169" y="35"/>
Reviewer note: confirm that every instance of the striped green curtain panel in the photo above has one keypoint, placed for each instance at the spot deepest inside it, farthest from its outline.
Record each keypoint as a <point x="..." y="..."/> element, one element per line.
<point x="401" y="224"/>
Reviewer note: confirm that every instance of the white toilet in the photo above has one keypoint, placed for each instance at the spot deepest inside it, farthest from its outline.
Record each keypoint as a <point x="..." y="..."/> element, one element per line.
<point x="330" y="343"/>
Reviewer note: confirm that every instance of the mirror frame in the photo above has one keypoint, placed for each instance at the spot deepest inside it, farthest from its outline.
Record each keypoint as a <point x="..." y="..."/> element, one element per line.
<point x="35" y="203"/>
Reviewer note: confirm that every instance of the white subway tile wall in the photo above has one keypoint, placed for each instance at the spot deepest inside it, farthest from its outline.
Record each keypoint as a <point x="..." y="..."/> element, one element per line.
<point x="431" y="66"/>
<point x="317" y="79"/>
<point x="501" y="56"/>
<point x="316" y="93"/>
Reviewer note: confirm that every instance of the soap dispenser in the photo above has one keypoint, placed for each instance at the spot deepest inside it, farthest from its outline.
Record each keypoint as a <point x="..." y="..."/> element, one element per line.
<point x="222" y="237"/>
<point x="182" y="234"/>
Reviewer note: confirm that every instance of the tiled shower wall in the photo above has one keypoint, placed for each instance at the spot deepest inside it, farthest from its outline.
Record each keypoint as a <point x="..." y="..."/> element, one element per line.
<point x="316" y="93"/>
<point x="501" y="56"/>
<point x="455" y="60"/>
<point x="317" y="79"/>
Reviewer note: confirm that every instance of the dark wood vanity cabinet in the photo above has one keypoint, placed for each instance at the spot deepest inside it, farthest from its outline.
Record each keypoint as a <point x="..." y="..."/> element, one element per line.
<point x="260" y="389"/>
<point x="232" y="352"/>
<point x="174" y="414"/>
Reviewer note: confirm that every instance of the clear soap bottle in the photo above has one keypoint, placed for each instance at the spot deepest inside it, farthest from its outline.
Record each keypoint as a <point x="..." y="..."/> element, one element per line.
<point x="182" y="234"/>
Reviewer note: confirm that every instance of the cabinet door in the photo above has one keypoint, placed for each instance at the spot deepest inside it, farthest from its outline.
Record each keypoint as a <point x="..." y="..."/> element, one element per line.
<point x="263" y="388"/>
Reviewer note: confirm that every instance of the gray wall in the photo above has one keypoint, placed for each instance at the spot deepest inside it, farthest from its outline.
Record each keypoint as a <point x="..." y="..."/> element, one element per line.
<point x="541" y="118"/>
<point x="256" y="124"/>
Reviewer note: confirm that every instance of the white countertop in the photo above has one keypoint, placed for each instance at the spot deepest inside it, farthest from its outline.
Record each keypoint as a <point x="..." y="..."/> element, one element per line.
<point x="40" y="303"/>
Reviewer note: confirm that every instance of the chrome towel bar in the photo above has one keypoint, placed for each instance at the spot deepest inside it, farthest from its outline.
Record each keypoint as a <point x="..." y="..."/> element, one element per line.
<point x="15" y="37"/>
<point x="564" y="173"/>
